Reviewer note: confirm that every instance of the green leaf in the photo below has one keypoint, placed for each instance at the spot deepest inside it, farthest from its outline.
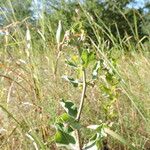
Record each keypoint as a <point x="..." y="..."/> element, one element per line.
<point x="64" y="138"/>
<point x="66" y="118"/>
<point x="59" y="126"/>
<point x="71" y="64"/>
<point x="69" y="107"/>
<point x="59" y="33"/>
<point x="75" y="125"/>
<point x="84" y="57"/>
<point x="90" y="146"/>
<point x="73" y="81"/>
<point x="95" y="70"/>
<point x="119" y="138"/>
<point x="70" y="121"/>
<point x="87" y="57"/>
<point x="105" y="89"/>
<point x="63" y="127"/>
<point x="99" y="129"/>
<point x="94" y="143"/>
<point x="91" y="57"/>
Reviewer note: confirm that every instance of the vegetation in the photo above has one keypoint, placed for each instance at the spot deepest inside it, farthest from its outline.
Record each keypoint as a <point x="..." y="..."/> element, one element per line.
<point x="101" y="48"/>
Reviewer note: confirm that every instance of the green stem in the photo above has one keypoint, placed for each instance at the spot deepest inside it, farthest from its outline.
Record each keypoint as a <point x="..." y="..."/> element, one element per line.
<point x="82" y="96"/>
<point x="79" y="146"/>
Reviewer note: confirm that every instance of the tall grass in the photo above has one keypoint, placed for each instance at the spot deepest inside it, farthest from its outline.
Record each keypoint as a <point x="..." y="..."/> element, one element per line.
<point x="29" y="93"/>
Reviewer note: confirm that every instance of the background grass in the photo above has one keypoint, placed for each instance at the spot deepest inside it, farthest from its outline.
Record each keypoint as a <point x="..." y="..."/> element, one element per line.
<point x="30" y="93"/>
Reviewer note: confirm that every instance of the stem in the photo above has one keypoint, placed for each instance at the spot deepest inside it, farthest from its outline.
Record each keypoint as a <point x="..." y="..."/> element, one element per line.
<point x="59" y="49"/>
<point x="79" y="146"/>
<point x="56" y="64"/>
<point x="82" y="96"/>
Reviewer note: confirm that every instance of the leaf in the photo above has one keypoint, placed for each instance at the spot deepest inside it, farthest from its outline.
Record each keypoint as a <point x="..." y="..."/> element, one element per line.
<point x="71" y="64"/>
<point x="96" y="140"/>
<point x="70" y="121"/>
<point x="87" y="57"/>
<point x="64" y="127"/>
<point x="69" y="107"/>
<point x="90" y="146"/>
<point x="28" y="35"/>
<point x="99" y="129"/>
<point x="66" y="118"/>
<point x="59" y="126"/>
<point x="95" y="70"/>
<point x="75" y="125"/>
<point x="91" y="57"/>
<point x="64" y="138"/>
<point x="84" y="56"/>
<point x="94" y="127"/>
<point x="94" y="143"/>
<point x="118" y="137"/>
<point x="74" y="82"/>
<point x="59" y="32"/>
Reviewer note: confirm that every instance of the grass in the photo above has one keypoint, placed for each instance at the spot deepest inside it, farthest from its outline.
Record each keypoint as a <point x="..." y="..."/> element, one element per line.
<point x="18" y="97"/>
<point x="30" y="94"/>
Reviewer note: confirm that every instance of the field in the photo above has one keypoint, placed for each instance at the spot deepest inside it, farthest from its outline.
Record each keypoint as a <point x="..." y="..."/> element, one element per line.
<point x="32" y="68"/>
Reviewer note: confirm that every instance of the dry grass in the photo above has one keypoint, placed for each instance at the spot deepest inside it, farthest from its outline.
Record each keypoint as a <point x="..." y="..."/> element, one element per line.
<point x="33" y="114"/>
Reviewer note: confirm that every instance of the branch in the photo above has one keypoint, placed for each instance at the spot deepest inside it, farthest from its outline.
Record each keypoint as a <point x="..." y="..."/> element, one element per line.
<point x="79" y="146"/>
<point x="82" y="96"/>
